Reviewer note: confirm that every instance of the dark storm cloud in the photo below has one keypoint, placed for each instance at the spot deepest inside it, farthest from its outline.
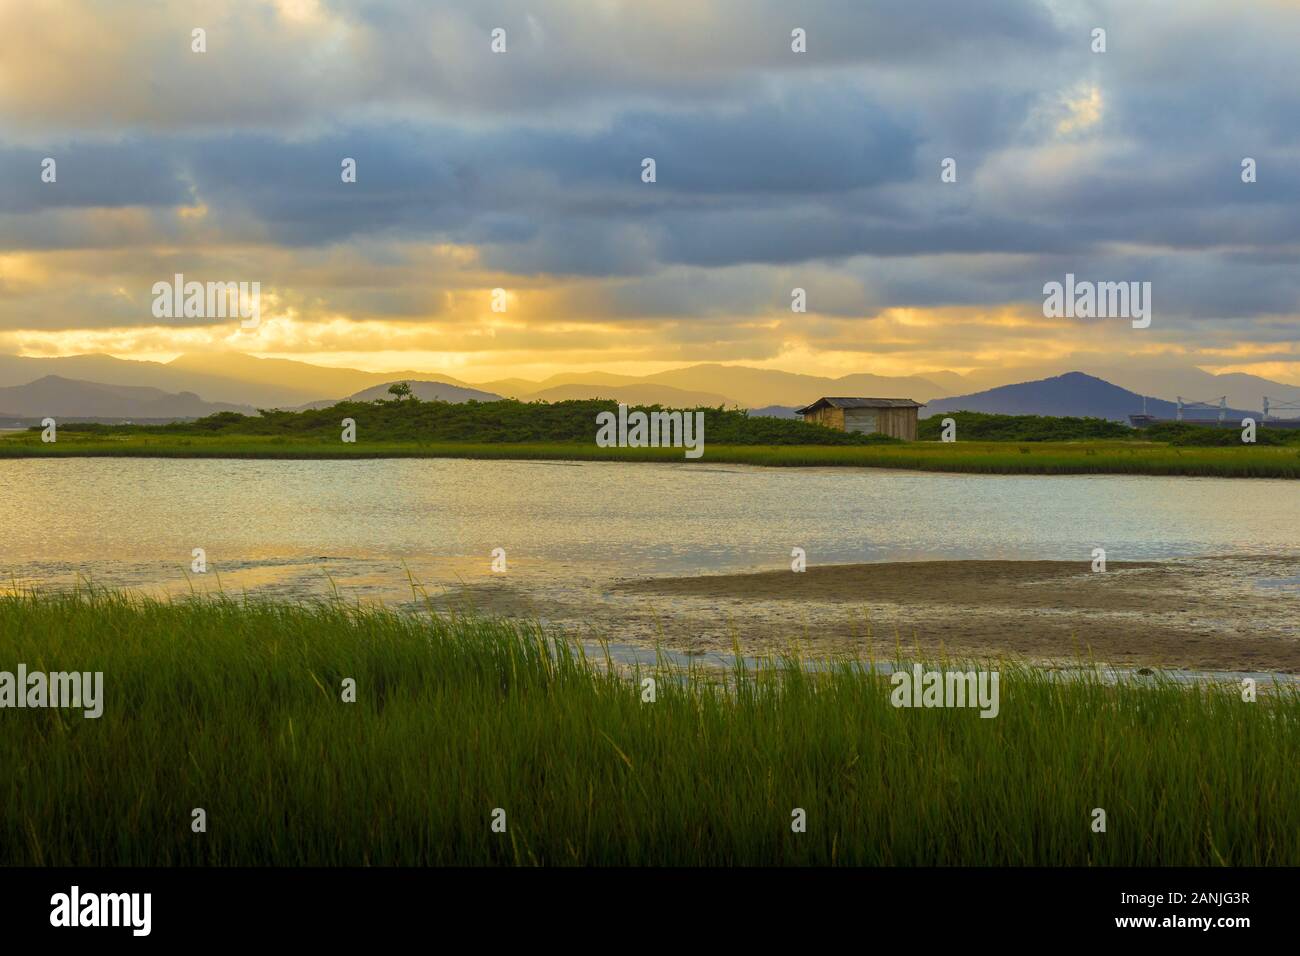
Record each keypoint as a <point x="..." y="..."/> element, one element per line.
<point x="1114" y="166"/>
<point x="104" y="175"/>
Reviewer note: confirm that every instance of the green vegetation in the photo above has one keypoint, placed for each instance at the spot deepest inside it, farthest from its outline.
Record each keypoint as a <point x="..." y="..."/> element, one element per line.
<point x="1199" y="436"/>
<point x="993" y="458"/>
<point x="505" y="421"/>
<point x="235" y="707"/>
<point x="408" y="428"/>
<point x="980" y="426"/>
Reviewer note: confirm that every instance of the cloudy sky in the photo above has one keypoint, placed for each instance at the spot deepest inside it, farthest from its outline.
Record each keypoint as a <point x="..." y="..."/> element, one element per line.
<point x="522" y="171"/>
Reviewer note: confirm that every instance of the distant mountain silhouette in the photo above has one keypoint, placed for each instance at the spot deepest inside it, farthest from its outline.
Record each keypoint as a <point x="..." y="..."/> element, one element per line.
<point x="307" y="381"/>
<point x="773" y="411"/>
<point x="68" y="398"/>
<point x="1166" y="381"/>
<point x="426" y="392"/>
<point x="638" y="393"/>
<point x="522" y="388"/>
<point x="236" y="380"/>
<point x="1242" y="390"/>
<point x="1073" y="393"/>
<point x="759" y="387"/>
<point x="210" y="384"/>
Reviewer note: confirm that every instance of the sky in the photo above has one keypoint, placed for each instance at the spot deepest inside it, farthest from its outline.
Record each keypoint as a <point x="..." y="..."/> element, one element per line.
<point x="522" y="171"/>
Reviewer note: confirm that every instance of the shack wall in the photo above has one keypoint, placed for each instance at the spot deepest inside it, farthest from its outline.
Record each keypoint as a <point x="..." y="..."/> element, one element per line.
<point x="895" y="422"/>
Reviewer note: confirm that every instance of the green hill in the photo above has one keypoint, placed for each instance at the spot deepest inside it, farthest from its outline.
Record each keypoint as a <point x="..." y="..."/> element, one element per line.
<point x="505" y="421"/>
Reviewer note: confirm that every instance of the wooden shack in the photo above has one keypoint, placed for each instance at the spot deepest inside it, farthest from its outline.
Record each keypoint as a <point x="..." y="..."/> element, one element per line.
<point x="888" y="416"/>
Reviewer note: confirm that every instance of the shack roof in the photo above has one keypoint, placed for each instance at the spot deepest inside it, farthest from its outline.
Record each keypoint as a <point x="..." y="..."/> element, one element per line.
<point x="859" y="403"/>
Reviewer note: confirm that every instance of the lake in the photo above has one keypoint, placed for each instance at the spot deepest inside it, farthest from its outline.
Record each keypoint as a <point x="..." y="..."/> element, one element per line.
<point x="292" y="528"/>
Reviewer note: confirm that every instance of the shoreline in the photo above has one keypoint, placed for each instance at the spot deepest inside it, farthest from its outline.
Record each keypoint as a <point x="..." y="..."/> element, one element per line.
<point x="1201" y="614"/>
<point x="986" y="458"/>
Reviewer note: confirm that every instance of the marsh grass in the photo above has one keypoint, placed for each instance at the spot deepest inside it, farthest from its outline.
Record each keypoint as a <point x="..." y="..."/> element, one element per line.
<point x="235" y="706"/>
<point x="1051" y="458"/>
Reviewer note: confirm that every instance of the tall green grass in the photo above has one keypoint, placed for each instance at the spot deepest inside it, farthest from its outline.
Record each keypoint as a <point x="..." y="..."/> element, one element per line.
<point x="235" y="707"/>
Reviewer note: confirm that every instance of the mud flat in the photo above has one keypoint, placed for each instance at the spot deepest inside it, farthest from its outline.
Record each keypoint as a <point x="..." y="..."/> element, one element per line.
<point x="1236" y="613"/>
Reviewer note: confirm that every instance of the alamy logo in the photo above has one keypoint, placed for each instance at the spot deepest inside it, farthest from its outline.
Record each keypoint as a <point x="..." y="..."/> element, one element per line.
<point x="1100" y="300"/>
<point x="922" y="688"/>
<point x="57" y="689"/>
<point x="75" y="908"/>
<point x="655" y="430"/>
<point x="210" y="300"/>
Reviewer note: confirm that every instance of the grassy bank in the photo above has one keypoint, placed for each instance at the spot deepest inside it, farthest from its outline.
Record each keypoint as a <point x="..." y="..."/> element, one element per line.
<point x="1083" y="457"/>
<point x="236" y="708"/>
<point x="506" y="421"/>
<point x="990" y="444"/>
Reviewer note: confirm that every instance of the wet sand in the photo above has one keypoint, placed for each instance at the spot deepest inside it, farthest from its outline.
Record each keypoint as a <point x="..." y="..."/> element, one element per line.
<point x="1230" y="613"/>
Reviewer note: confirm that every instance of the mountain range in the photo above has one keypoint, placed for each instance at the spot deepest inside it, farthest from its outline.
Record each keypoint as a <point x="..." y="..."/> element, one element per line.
<point x="64" y="398"/>
<point x="424" y="391"/>
<point x="195" y="385"/>
<point x="1074" y="393"/>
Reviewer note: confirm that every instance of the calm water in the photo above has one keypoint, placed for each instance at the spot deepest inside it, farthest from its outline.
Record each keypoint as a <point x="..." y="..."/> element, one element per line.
<point x="282" y="527"/>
